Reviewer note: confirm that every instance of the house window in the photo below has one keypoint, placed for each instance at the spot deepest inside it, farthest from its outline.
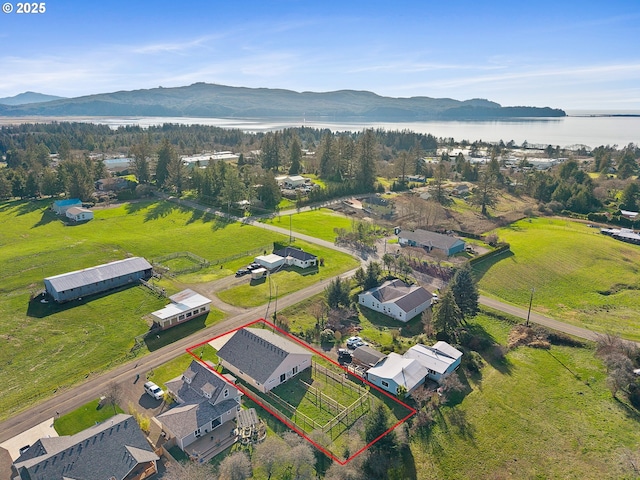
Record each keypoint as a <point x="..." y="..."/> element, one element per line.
<point x="197" y="433"/>
<point x="226" y="393"/>
<point x="282" y="378"/>
<point x="295" y="370"/>
<point x="188" y="314"/>
<point x="203" y="309"/>
<point x="385" y="384"/>
<point x="181" y="317"/>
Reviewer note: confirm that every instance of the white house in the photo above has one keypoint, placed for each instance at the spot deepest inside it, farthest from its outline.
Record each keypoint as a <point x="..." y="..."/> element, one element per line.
<point x="395" y="371"/>
<point x="184" y="306"/>
<point x="440" y="360"/>
<point x="396" y="299"/>
<point x="294" y="181"/>
<point x="296" y="257"/>
<point x="263" y="358"/>
<point x="79" y="214"/>
<point x="204" y="402"/>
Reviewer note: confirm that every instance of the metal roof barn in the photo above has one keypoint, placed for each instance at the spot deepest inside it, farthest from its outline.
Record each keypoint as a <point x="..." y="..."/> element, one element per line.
<point x="73" y="285"/>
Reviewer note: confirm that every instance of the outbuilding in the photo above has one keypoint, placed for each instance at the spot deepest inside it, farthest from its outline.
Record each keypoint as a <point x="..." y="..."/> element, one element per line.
<point x="80" y="283"/>
<point x="447" y="244"/>
<point x="271" y="261"/>
<point x="79" y="214"/>
<point x="185" y="305"/>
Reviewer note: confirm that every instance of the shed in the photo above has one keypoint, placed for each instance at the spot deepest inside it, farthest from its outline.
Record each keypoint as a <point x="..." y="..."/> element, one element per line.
<point x="294" y="181"/>
<point x="184" y="306"/>
<point x="258" y="273"/>
<point x="271" y="261"/>
<point x="79" y="214"/>
<point x="430" y="240"/>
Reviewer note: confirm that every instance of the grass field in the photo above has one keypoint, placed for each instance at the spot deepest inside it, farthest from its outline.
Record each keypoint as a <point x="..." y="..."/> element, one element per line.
<point x="254" y="293"/>
<point x="317" y="223"/>
<point x="579" y="275"/>
<point x="48" y="347"/>
<point x="545" y="414"/>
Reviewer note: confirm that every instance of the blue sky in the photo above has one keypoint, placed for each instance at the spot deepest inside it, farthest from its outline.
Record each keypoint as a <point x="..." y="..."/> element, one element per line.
<point x="565" y="54"/>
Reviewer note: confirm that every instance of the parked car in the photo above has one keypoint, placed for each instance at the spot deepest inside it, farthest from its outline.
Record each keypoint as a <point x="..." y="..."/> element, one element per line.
<point x="253" y="266"/>
<point x="354" y="342"/>
<point x="241" y="272"/>
<point x="153" y="390"/>
<point x="344" y="355"/>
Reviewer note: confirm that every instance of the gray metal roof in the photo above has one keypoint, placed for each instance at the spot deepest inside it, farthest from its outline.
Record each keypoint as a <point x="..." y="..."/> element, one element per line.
<point x="407" y="297"/>
<point x="88" y="276"/>
<point x="110" y="449"/>
<point x="367" y="356"/>
<point x="295" y="253"/>
<point x="258" y="352"/>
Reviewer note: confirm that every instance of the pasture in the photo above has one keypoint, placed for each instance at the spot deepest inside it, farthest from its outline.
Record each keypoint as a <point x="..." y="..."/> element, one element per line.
<point x="50" y="347"/>
<point x="579" y="275"/>
<point x="316" y="223"/>
<point x="538" y="414"/>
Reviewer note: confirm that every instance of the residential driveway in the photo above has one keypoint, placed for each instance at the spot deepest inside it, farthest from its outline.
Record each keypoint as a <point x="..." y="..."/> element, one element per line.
<point x="132" y="394"/>
<point x="29" y="437"/>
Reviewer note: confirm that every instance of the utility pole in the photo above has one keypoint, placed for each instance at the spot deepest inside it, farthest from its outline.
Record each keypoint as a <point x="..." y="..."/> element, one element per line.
<point x="290" y="236"/>
<point x="530" y="303"/>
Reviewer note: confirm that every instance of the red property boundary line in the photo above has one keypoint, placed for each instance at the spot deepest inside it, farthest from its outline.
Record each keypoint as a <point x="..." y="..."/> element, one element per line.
<point x="286" y="421"/>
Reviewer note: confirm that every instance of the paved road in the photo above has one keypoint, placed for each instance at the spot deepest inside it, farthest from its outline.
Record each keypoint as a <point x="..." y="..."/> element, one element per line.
<point x="96" y="386"/>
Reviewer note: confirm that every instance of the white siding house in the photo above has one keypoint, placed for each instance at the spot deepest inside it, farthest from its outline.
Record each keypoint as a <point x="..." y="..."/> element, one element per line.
<point x="440" y="360"/>
<point x="184" y="306"/>
<point x="397" y="370"/>
<point x="397" y="300"/>
<point x="61" y="206"/>
<point x="79" y="214"/>
<point x="297" y="258"/>
<point x="263" y="358"/>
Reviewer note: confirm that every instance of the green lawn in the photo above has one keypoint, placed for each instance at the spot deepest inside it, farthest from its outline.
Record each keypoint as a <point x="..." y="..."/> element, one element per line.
<point x="579" y="275"/>
<point x="544" y="414"/>
<point x="317" y="223"/>
<point x="48" y="347"/>
<point x="84" y="417"/>
<point x="256" y="292"/>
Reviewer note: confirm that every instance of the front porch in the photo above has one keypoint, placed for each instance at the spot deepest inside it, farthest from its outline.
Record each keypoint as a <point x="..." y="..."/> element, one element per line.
<point x="212" y="443"/>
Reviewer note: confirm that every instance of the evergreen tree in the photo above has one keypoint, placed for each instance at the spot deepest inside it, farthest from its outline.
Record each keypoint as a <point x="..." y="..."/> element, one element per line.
<point x="141" y="153"/>
<point x="269" y="191"/>
<point x="233" y="188"/>
<point x="5" y="187"/>
<point x="295" y="157"/>
<point x="176" y="174"/>
<point x="166" y="154"/>
<point x="327" y="169"/>
<point x="337" y="293"/>
<point x="447" y="316"/>
<point x="100" y="170"/>
<point x="77" y="179"/>
<point x="366" y="173"/>
<point x="465" y="292"/>
<point x="629" y="199"/>
<point x="484" y="194"/>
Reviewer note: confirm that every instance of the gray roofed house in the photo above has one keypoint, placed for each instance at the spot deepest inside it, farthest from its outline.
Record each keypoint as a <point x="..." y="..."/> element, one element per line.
<point x="430" y="240"/>
<point x="263" y="358"/>
<point x="396" y="299"/>
<point x="205" y="401"/>
<point x="79" y="283"/>
<point x="113" y="449"/>
<point x="297" y="257"/>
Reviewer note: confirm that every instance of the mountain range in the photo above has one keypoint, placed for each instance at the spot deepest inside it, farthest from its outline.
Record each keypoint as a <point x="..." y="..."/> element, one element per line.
<point x="212" y="100"/>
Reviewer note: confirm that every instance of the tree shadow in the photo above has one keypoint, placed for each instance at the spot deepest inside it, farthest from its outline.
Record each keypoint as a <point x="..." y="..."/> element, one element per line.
<point x="628" y="410"/>
<point x="480" y="268"/>
<point x="30" y="206"/>
<point x="157" y="339"/>
<point x="133" y="206"/>
<point x="488" y="348"/>
<point x="459" y="421"/>
<point x="39" y="309"/>
<point x="158" y="210"/>
<point x="47" y="217"/>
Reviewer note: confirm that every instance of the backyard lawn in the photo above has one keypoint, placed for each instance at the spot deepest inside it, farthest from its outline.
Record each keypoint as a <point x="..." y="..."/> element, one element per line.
<point x="579" y="275"/>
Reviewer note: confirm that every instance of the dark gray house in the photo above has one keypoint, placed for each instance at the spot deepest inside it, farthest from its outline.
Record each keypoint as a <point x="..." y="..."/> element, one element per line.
<point x="73" y="285"/>
<point x="112" y="450"/>
<point x="430" y="240"/>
